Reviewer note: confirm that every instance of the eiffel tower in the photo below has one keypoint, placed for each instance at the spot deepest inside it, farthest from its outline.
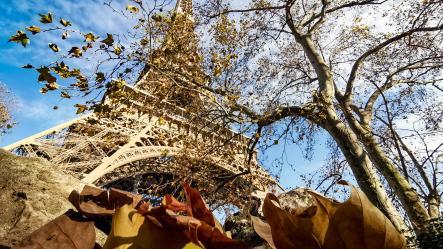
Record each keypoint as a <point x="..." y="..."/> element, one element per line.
<point x="157" y="142"/>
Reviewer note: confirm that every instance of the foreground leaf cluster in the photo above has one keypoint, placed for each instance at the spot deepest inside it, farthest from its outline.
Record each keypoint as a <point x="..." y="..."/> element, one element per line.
<point x="354" y="224"/>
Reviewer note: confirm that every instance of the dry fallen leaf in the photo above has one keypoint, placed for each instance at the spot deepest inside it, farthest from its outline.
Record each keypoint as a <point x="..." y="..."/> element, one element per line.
<point x="353" y="224"/>
<point x="68" y="231"/>
<point x="138" y="225"/>
<point x="132" y="230"/>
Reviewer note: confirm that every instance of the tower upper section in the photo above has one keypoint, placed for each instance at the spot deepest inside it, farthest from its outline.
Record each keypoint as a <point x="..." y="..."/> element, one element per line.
<point x="176" y="61"/>
<point x="184" y="6"/>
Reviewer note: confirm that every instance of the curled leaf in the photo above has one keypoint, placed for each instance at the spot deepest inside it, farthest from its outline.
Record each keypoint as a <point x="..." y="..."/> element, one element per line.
<point x="80" y="108"/>
<point x="65" y="35"/>
<point x="65" y="95"/>
<point x="217" y="71"/>
<point x="355" y="223"/>
<point x="45" y="75"/>
<point x="54" y="47"/>
<point x="69" y="231"/>
<point x="64" y="22"/>
<point x="132" y="9"/>
<point x="52" y="86"/>
<point x="87" y="46"/>
<point x="20" y="37"/>
<point x="109" y="40"/>
<point x="144" y="42"/>
<point x="90" y="37"/>
<point x="43" y="90"/>
<point x="33" y="29"/>
<point x="263" y="230"/>
<point x="117" y="50"/>
<point x="62" y="70"/>
<point x="46" y="18"/>
<point x="76" y="52"/>
<point x="100" y="77"/>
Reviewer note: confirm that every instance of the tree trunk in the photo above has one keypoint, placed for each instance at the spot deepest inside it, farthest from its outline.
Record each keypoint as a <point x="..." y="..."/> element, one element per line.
<point x="407" y="195"/>
<point x="363" y="169"/>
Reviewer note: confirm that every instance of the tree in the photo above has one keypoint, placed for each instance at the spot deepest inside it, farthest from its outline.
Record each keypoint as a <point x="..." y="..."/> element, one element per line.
<point x="355" y="69"/>
<point x="6" y="102"/>
<point x="355" y="80"/>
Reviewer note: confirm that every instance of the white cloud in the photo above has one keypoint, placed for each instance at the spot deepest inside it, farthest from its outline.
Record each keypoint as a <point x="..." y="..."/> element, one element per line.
<point x="41" y="111"/>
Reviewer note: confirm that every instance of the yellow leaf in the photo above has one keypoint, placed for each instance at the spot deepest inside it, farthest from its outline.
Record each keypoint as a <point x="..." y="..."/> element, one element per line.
<point x="46" y="18"/>
<point x="45" y="75"/>
<point x="44" y="90"/>
<point x="164" y="152"/>
<point x="132" y="9"/>
<point x="52" y="86"/>
<point x="100" y="77"/>
<point x="33" y="29"/>
<point x="76" y="52"/>
<point x="117" y="50"/>
<point x="65" y="95"/>
<point x="65" y="35"/>
<point x="87" y="46"/>
<point x="64" y="22"/>
<point x="109" y="40"/>
<point x="217" y="71"/>
<point x="89" y="37"/>
<point x="144" y="42"/>
<point x="20" y="37"/>
<point x="54" y="47"/>
<point x="132" y="230"/>
<point x="80" y="108"/>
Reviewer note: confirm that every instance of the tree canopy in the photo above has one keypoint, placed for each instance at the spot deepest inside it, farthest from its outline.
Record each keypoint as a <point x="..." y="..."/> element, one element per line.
<point x="6" y="103"/>
<point x="366" y="72"/>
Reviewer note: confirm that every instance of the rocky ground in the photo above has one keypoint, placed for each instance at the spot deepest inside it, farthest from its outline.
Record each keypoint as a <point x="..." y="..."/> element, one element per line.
<point x="32" y="192"/>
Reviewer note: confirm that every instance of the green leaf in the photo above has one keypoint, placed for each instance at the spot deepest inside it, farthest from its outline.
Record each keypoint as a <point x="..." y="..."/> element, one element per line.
<point x="109" y="40"/>
<point x="80" y="108"/>
<point x="33" y="29"/>
<point x="28" y="66"/>
<point x="64" y="22"/>
<point x="76" y="52"/>
<point x="90" y="37"/>
<point x="132" y="9"/>
<point x="20" y="37"/>
<point x="54" y="47"/>
<point x="46" y="18"/>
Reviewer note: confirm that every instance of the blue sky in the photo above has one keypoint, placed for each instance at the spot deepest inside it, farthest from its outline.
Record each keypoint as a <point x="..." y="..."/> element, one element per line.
<point x="34" y="111"/>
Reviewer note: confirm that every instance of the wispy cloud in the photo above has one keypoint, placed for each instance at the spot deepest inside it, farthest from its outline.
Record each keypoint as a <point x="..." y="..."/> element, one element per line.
<point x="86" y="16"/>
<point x="42" y="111"/>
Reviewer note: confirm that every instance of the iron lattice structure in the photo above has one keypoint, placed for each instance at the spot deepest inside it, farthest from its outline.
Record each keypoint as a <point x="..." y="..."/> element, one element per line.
<point x="153" y="146"/>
